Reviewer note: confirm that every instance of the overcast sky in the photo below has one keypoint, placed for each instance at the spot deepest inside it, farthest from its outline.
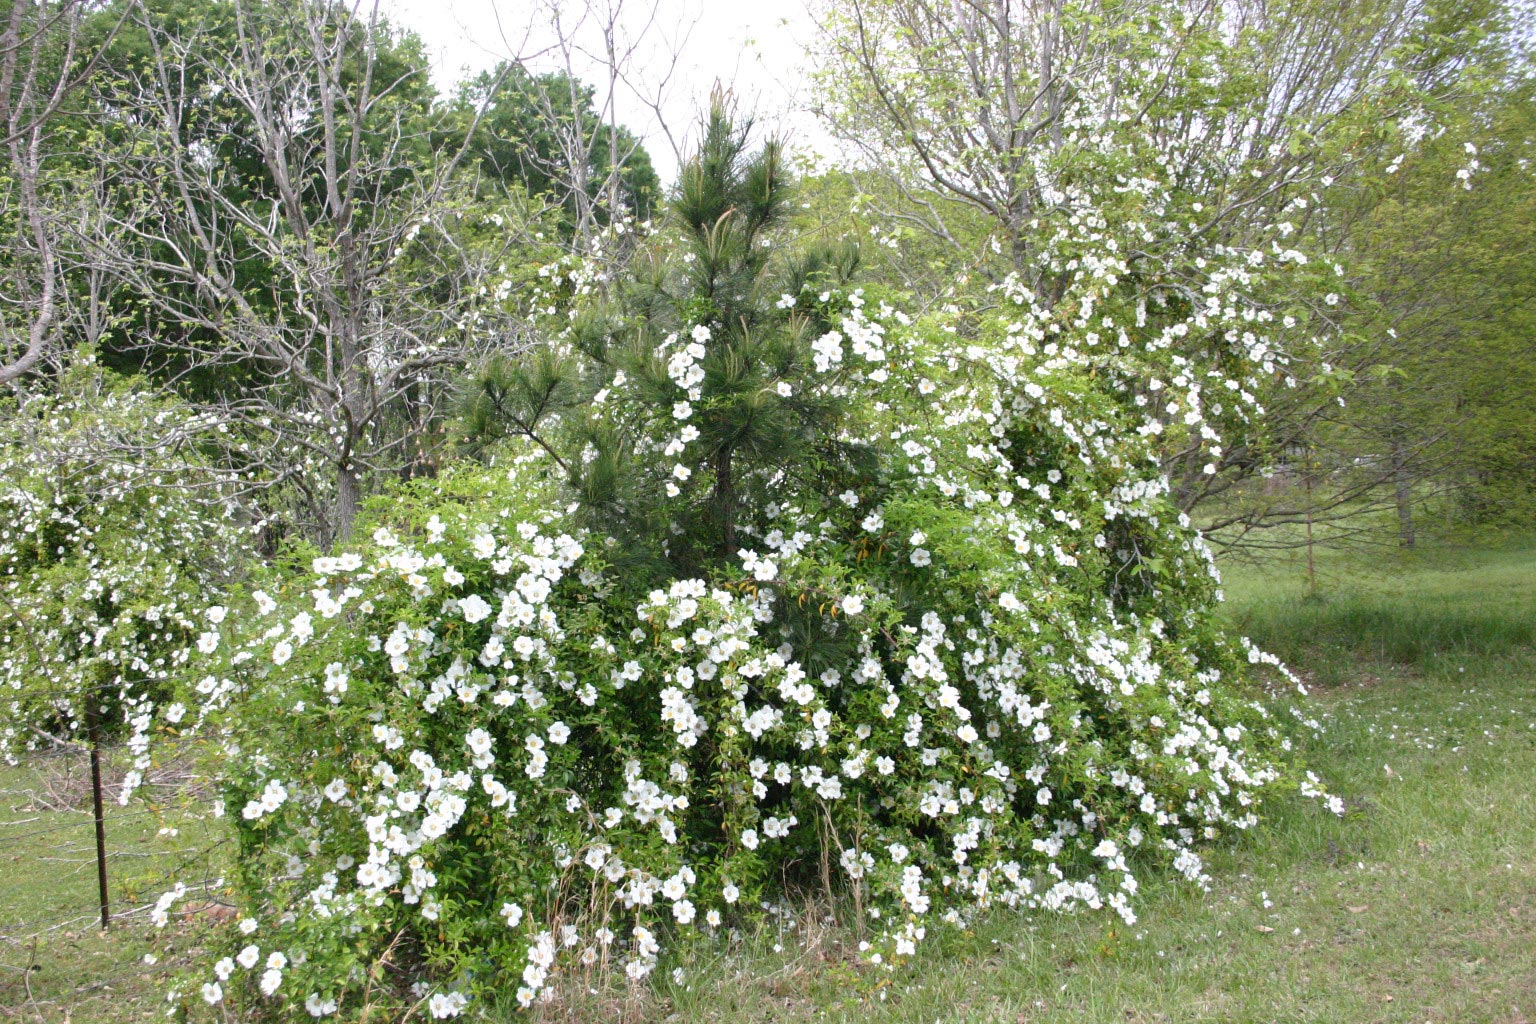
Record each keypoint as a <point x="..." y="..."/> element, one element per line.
<point x="755" y="47"/>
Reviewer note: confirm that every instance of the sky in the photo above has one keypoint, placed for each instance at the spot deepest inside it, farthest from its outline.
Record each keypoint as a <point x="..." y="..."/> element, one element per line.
<point x="755" y="48"/>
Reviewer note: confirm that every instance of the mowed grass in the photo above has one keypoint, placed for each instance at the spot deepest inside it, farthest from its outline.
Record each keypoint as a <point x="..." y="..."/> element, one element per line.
<point x="1418" y="905"/>
<point x="1403" y="609"/>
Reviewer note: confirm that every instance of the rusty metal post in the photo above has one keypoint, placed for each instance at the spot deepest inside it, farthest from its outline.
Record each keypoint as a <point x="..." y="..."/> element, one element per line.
<point x="101" y="822"/>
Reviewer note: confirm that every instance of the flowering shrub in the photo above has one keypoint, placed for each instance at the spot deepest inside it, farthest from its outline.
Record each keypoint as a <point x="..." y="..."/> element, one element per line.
<point x="975" y="666"/>
<point x="767" y="584"/>
<point x="113" y="538"/>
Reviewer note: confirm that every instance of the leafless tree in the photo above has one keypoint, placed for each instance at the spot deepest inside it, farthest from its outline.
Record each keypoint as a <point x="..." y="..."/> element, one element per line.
<point x="955" y="101"/>
<point x="623" y="52"/>
<point x="288" y="217"/>
<point x="42" y="61"/>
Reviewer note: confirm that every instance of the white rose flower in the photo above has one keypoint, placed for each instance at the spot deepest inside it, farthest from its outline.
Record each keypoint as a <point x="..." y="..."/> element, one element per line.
<point x="474" y="608"/>
<point x="447" y="1004"/>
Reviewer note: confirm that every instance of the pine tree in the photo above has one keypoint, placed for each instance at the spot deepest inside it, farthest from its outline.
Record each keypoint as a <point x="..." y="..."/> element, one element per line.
<point x="680" y="406"/>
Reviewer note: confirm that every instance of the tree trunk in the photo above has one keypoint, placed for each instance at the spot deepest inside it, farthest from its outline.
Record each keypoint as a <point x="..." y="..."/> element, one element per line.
<point x="1402" y="488"/>
<point x="725" y="501"/>
<point x="348" y="495"/>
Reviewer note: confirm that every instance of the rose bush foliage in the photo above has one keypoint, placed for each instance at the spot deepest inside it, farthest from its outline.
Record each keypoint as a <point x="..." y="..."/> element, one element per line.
<point x="976" y="666"/>
<point x="113" y="535"/>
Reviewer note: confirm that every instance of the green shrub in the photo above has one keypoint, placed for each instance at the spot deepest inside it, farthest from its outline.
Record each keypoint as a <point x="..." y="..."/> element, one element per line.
<point x="764" y="584"/>
<point x="475" y="748"/>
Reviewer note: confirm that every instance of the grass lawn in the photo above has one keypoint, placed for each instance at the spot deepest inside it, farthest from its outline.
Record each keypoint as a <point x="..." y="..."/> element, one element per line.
<point x="1419" y="905"/>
